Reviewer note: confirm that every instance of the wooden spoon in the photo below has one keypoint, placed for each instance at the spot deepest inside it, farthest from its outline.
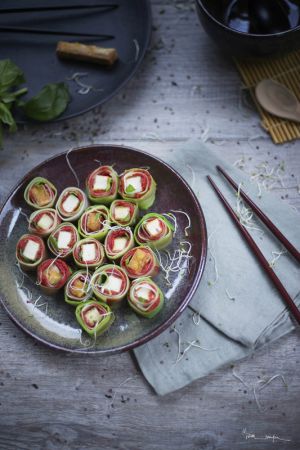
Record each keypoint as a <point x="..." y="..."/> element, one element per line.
<point x="277" y="99"/>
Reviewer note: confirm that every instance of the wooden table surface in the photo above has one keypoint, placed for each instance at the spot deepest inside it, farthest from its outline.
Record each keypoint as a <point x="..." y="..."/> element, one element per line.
<point x="51" y="400"/>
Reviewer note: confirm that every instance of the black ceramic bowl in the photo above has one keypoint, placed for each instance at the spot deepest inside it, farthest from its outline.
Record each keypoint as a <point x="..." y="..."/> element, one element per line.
<point x="243" y="44"/>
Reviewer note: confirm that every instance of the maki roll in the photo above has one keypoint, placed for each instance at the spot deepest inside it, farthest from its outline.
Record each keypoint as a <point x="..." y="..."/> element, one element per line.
<point x="145" y="297"/>
<point x="89" y="253"/>
<point x="138" y="186"/>
<point x="123" y="213"/>
<point x="30" y="251"/>
<point x="102" y="185"/>
<point x="154" y="230"/>
<point x="110" y="283"/>
<point x="62" y="240"/>
<point x="94" y="222"/>
<point x="40" y="193"/>
<point x="52" y="275"/>
<point x="71" y="204"/>
<point x="43" y="222"/>
<point x="140" y="262"/>
<point x="94" y="317"/>
<point x="78" y="288"/>
<point x="118" y="241"/>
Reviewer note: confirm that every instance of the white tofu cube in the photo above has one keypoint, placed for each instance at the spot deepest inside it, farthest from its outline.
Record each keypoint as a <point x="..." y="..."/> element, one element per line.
<point x="31" y="250"/>
<point x="45" y="222"/>
<point x="88" y="252"/>
<point x="144" y="293"/>
<point x="153" y="227"/>
<point x="113" y="283"/>
<point x="119" y="244"/>
<point x="64" y="239"/>
<point x="71" y="203"/>
<point x="101" y="183"/>
<point x="135" y="182"/>
<point x="121" y="212"/>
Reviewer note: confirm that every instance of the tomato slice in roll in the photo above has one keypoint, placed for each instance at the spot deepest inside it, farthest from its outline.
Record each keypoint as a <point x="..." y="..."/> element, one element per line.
<point x="102" y="185"/>
<point x="154" y="230"/>
<point x="78" y="288"/>
<point x="94" y="222"/>
<point x="145" y="297"/>
<point x="123" y="213"/>
<point x="71" y="204"/>
<point x="88" y="252"/>
<point x="62" y="240"/>
<point x="40" y="193"/>
<point x="30" y="251"/>
<point x="138" y="186"/>
<point x="110" y="283"/>
<point x="43" y="222"/>
<point x="140" y="262"/>
<point x="117" y="242"/>
<point x="94" y="317"/>
<point x="52" y="275"/>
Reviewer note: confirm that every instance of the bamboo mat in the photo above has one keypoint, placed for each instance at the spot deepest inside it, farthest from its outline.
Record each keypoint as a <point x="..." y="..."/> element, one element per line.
<point x="286" y="70"/>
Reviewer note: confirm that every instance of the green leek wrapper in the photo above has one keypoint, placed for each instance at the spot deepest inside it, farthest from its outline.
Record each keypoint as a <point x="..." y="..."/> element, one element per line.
<point x="137" y="304"/>
<point x="100" y="235"/>
<point x="104" y="323"/>
<point x="69" y="298"/>
<point x="40" y="180"/>
<point x="160" y="243"/>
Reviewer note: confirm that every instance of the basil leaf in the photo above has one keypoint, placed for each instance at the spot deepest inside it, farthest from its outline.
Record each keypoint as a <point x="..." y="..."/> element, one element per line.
<point x="10" y="97"/>
<point x="53" y="242"/>
<point x="7" y="118"/>
<point x="129" y="189"/>
<point x="1" y="135"/>
<point x="102" y="278"/>
<point x="10" y="75"/>
<point x="48" y="104"/>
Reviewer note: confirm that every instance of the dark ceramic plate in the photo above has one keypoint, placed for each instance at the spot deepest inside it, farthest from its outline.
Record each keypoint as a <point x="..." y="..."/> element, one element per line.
<point x="52" y="321"/>
<point x="129" y="24"/>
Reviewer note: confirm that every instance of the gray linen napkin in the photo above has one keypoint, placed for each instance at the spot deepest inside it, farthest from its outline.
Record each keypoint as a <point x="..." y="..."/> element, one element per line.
<point x="236" y="309"/>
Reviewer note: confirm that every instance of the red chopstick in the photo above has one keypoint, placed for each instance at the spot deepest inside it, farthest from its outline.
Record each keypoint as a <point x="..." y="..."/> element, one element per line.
<point x="288" y="245"/>
<point x="255" y="249"/>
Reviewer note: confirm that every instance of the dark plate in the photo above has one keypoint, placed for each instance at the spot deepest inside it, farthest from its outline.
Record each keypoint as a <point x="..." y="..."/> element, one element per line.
<point x="54" y="323"/>
<point x="130" y="24"/>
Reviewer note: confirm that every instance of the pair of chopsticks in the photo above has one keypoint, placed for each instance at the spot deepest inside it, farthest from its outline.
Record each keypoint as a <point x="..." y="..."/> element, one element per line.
<point x="25" y="30"/>
<point x="252" y="244"/>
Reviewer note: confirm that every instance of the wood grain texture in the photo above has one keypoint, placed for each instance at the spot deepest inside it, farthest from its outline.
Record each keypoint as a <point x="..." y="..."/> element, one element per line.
<point x="56" y="401"/>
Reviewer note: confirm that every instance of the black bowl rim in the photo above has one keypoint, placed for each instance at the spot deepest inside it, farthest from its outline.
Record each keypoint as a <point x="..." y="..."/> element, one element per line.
<point x="159" y="329"/>
<point x="241" y="33"/>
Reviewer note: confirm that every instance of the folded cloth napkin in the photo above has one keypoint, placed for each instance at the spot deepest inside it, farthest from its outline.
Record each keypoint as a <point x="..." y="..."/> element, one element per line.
<point x="236" y="308"/>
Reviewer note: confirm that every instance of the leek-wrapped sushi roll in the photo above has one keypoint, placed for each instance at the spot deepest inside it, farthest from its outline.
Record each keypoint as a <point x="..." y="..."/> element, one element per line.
<point x="154" y="230"/>
<point x="94" y="222"/>
<point x="30" y="251"/>
<point x="62" y="240"/>
<point x="102" y="185"/>
<point x="43" y="222"/>
<point x="71" y="204"/>
<point x="88" y="252"/>
<point x="52" y="275"/>
<point x="138" y="186"/>
<point x="140" y="262"/>
<point x="94" y="317"/>
<point x="40" y="193"/>
<point x="117" y="242"/>
<point x="110" y="283"/>
<point x="123" y="213"/>
<point x="145" y="297"/>
<point x="78" y="288"/>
